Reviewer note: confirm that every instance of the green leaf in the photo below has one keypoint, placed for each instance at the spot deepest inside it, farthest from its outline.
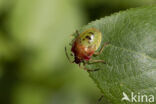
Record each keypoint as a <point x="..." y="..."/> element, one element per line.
<point x="130" y="56"/>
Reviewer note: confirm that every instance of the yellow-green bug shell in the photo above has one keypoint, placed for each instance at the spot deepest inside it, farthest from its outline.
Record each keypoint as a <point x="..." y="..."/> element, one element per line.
<point x="86" y="44"/>
<point x="91" y="38"/>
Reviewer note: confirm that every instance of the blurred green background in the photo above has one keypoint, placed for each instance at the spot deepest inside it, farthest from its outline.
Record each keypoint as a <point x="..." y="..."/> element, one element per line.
<point x="33" y="34"/>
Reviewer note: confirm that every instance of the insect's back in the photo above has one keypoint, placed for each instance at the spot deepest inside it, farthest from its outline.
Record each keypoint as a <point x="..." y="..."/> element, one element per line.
<point x="86" y="44"/>
<point x="91" y="38"/>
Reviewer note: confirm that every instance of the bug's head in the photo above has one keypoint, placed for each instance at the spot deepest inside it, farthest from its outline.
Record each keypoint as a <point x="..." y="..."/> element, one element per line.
<point x="77" y="60"/>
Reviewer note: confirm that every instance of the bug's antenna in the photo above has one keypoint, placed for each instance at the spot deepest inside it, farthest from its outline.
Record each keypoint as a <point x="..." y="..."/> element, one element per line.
<point x="77" y="33"/>
<point x="67" y="55"/>
<point x="99" y="99"/>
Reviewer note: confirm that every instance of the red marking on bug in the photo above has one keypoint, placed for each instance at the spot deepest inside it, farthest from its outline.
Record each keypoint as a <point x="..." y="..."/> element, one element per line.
<point x="81" y="52"/>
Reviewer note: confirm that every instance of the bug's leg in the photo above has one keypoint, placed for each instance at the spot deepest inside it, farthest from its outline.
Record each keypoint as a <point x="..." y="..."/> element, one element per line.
<point x="77" y="33"/>
<point x="89" y="70"/>
<point x="96" y="61"/>
<point x="99" y="99"/>
<point x="83" y="65"/>
<point x="67" y="55"/>
<point x="97" y="53"/>
<point x="71" y="54"/>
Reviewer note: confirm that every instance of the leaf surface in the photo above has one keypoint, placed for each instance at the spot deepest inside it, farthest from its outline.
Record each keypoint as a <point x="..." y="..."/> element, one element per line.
<point x="130" y="55"/>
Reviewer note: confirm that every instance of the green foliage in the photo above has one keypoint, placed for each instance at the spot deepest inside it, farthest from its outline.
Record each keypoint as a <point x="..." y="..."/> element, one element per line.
<point x="33" y="65"/>
<point x="130" y="55"/>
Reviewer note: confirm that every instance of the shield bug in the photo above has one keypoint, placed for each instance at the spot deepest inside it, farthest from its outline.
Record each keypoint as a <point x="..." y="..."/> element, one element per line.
<point x="85" y="45"/>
